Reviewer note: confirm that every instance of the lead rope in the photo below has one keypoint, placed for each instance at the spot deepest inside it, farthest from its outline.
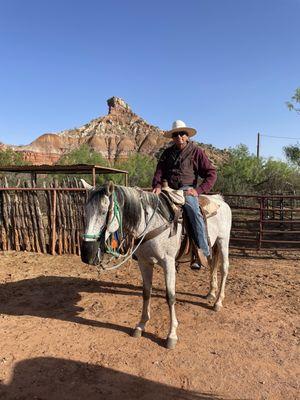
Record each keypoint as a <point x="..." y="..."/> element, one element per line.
<point x="100" y="267"/>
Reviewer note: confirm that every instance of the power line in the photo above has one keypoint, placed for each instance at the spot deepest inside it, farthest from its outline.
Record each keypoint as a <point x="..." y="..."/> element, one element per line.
<point x="269" y="136"/>
<point x="280" y="137"/>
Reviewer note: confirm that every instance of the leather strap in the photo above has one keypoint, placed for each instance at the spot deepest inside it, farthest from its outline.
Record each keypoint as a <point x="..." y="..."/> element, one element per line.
<point x="176" y="212"/>
<point x="155" y="232"/>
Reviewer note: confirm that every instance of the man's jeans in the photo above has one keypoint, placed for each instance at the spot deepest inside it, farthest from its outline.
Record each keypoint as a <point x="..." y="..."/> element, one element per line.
<point x="196" y="221"/>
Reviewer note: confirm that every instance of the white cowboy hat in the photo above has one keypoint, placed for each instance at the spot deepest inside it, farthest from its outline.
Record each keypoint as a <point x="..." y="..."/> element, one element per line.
<point x="179" y="126"/>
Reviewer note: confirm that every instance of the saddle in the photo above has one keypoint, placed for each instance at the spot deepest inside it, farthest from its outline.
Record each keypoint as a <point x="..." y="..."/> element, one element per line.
<point x="175" y="200"/>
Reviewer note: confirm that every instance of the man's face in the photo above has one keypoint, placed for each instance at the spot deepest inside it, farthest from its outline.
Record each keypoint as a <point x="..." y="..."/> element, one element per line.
<point x="180" y="139"/>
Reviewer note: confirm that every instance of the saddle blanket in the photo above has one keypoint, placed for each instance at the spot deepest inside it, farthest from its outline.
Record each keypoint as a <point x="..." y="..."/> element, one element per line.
<point x="207" y="205"/>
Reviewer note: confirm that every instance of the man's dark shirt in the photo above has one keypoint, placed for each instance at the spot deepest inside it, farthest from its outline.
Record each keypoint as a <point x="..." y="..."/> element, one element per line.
<point x="182" y="167"/>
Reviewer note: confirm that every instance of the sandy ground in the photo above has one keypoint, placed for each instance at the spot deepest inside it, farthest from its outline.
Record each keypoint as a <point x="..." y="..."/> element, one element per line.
<point x="65" y="332"/>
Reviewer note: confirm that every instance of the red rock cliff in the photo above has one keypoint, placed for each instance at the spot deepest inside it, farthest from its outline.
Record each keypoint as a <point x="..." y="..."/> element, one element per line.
<point x="114" y="136"/>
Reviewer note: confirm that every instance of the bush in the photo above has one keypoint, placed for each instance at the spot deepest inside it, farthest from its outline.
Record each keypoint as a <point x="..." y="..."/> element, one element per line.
<point x="83" y="155"/>
<point x="245" y="173"/>
<point x="292" y="154"/>
<point x="11" y="157"/>
<point x="140" y="169"/>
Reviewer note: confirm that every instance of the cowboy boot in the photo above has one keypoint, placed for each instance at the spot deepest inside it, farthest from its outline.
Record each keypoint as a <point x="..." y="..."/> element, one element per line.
<point x="201" y="258"/>
<point x="195" y="266"/>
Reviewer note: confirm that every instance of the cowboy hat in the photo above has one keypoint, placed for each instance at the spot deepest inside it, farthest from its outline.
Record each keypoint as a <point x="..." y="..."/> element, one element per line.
<point x="179" y="126"/>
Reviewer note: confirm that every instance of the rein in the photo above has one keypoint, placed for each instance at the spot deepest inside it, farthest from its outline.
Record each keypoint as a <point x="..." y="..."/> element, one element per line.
<point x="143" y="237"/>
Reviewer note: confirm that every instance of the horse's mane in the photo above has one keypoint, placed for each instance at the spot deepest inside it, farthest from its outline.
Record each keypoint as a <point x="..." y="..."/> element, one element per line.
<point x="130" y="200"/>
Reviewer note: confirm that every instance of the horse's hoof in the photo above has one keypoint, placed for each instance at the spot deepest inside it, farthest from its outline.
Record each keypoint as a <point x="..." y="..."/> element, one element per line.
<point x="137" y="333"/>
<point x="217" y="307"/>
<point x="210" y="297"/>
<point x="171" y="343"/>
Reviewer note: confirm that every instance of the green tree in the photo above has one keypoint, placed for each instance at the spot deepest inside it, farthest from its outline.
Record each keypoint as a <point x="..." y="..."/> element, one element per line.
<point x="295" y="100"/>
<point x="140" y="169"/>
<point x="240" y="173"/>
<point x="278" y="177"/>
<point x="245" y="173"/>
<point x="292" y="154"/>
<point x="11" y="157"/>
<point x="84" y="155"/>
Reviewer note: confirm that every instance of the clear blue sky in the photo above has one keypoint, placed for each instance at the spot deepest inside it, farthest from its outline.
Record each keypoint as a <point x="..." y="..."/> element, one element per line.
<point x="225" y="67"/>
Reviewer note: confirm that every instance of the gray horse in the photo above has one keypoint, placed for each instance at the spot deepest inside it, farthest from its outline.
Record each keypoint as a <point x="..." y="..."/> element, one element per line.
<point x="144" y="215"/>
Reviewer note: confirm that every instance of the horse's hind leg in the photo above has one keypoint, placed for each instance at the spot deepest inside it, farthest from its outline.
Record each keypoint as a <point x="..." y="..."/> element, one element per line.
<point x="147" y="273"/>
<point x="224" y="250"/>
<point x="213" y="287"/>
<point x="170" y="279"/>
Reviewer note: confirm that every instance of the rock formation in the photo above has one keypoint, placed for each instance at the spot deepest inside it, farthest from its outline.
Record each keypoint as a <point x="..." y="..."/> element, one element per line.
<point x="115" y="136"/>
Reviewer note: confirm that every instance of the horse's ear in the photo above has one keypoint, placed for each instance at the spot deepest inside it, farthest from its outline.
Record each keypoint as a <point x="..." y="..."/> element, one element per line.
<point x="86" y="185"/>
<point x="109" y="188"/>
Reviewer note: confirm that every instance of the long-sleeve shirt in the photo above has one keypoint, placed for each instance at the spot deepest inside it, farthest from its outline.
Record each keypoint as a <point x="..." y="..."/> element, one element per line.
<point x="183" y="167"/>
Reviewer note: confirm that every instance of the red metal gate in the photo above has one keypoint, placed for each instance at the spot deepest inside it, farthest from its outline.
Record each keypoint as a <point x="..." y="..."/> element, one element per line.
<point x="265" y="222"/>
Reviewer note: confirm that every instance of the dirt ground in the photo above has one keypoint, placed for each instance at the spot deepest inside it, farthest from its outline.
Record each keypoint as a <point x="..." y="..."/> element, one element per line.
<point x="65" y="332"/>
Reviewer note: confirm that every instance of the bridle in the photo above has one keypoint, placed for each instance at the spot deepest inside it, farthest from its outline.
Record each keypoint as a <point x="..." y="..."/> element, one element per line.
<point x="115" y="208"/>
<point x="116" y="214"/>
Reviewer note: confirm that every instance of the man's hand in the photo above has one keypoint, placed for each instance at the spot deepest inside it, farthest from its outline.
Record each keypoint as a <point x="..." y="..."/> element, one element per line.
<point x="156" y="190"/>
<point x="191" y="192"/>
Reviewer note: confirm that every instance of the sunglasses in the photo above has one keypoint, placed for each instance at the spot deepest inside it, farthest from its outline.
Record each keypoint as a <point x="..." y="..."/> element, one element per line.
<point x="176" y="134"/>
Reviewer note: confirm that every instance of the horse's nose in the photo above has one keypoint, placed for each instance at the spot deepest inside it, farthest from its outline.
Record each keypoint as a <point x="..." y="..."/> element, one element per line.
<point x="90" y="252"/>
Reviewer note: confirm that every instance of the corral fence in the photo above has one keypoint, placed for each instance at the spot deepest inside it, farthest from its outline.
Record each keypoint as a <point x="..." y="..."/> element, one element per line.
<point x="42" y="220"/>
<point x="266" y="222"/>
<point x="43" y="214"/>
<point x="51" y="219"/>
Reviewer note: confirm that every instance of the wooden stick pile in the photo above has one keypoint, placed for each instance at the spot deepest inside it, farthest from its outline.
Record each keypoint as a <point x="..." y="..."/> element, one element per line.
<point x="43" y="221"/>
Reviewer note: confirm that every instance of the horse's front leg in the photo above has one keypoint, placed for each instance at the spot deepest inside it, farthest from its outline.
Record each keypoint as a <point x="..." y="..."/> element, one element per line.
<point x="146" y="269"/>
<point x="170" y="279"/>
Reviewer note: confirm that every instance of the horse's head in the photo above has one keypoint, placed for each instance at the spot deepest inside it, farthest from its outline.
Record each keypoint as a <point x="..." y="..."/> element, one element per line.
<point x="100" y="223"/>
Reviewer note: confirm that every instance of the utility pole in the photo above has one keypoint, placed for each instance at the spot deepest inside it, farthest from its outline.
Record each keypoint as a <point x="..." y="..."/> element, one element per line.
<point x="258" y="144"/>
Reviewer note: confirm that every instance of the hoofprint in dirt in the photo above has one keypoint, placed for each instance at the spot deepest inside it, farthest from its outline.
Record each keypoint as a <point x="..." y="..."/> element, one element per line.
<point x="65" y="332"/>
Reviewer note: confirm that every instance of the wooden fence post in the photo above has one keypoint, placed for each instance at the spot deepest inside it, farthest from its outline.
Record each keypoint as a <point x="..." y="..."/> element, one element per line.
<point x="53" y="223"/>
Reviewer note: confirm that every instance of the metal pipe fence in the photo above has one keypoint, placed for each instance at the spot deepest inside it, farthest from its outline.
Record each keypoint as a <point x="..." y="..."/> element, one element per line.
<point x="265" y="222"/>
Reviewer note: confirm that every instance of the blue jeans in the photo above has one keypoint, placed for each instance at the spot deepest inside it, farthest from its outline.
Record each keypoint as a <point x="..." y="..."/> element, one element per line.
<point x="196" y="221"/>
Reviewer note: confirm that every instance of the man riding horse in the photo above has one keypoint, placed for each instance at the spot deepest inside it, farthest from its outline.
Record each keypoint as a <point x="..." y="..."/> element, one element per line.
<point x="180" y="165"/>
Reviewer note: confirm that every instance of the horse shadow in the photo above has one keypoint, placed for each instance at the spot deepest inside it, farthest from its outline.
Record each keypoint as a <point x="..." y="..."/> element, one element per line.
<point x="56" y="297"/>
<point x="50" y="378"/>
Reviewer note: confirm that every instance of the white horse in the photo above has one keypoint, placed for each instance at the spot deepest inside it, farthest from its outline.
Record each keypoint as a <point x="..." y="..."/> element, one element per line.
<point x="146" y="217"/>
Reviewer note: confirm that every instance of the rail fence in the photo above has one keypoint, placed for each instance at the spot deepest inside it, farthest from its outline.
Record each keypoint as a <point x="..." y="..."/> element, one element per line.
<point x="265" y="222"/>
<point x="51" y="219"/>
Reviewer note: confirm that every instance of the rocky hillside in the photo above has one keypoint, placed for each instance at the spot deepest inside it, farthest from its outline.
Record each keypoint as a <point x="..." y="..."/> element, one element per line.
<point x="115" y="136"/>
